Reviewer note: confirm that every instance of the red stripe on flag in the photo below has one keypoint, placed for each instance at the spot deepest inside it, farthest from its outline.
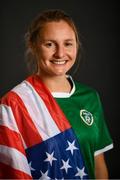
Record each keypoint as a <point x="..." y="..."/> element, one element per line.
<point x="11" y="138"/>
<point x="24" y="122"/>
<point x="54" y="109"/>
<point x="7" y="172"/>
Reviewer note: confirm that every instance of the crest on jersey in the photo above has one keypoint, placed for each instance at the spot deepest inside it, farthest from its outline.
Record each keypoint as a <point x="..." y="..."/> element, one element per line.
<point x="86" y="116"/>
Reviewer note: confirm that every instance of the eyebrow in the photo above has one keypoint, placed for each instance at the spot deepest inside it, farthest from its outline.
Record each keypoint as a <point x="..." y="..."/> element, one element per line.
<point x="45" y="40"/>
<point x="69" y="40"/>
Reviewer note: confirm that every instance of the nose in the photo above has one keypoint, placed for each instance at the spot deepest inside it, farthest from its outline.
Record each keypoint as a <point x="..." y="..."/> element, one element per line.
<point x="60" y="51"/>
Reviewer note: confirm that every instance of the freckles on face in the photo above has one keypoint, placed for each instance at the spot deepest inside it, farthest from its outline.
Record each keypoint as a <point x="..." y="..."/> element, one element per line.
<point x="57" y="47"/>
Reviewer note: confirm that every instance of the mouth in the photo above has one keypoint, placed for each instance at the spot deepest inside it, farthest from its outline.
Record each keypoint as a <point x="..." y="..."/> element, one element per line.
<point x="59" y="62"/>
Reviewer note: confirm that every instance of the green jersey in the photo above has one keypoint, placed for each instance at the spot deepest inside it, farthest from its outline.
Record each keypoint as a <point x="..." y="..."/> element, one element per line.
<point x="83" y="109"/>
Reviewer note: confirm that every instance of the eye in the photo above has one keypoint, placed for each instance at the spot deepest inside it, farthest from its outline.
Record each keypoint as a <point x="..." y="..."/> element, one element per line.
<point x="68" y="44"/>
<point x="49" y="44"/>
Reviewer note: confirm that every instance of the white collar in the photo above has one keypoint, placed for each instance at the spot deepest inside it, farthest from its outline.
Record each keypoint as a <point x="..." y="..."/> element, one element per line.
<point x="65" y="94"/>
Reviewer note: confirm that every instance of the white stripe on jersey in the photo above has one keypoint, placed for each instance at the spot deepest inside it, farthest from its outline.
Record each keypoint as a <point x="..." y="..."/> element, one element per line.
<point x="103" y="150"/>
<point x="14" y="158"/>
<point x="37" y="110"/>
<point x="8" y="119"/>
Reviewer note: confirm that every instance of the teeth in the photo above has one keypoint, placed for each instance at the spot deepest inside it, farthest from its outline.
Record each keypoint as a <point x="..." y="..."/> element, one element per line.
<point x="59" y="62"/>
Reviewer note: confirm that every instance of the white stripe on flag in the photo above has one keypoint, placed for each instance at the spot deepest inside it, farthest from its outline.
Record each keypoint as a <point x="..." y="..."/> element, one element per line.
<point x="37" y="110"/>
<point x="14" y="158"/>
<point x="7" y="119"/>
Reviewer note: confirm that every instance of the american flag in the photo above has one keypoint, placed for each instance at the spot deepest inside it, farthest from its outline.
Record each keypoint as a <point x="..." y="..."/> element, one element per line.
<point x="36" y="139"/>
<point x="57" y="158"/>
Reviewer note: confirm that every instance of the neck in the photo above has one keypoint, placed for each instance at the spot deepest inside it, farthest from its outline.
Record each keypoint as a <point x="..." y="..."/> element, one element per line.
<point x="56" y="83"/>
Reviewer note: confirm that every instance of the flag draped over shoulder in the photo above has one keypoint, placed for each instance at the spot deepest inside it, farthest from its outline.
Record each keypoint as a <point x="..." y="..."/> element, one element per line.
<point x="36" y="139"/>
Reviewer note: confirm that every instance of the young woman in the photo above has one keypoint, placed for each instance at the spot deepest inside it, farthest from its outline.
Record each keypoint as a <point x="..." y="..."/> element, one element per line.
<point x="51" y="126"/>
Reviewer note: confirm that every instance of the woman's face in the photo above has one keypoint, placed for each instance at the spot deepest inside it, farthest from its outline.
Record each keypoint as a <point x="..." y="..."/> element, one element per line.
<point x="56" y="49"/>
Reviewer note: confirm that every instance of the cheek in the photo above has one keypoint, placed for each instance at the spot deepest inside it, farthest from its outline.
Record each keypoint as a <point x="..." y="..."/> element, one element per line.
<point x="43" y="55"/>
<point x="73" y="54"/>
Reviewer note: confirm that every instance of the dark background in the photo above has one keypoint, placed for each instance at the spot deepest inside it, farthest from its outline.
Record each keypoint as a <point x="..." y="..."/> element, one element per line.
<point x="98" y="24"/>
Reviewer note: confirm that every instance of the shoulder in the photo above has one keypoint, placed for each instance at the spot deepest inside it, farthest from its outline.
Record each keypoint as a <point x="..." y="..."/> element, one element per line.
<point x="87" y="94"/>
<point x="84" y="89"/>
<point x="12" y="97"/>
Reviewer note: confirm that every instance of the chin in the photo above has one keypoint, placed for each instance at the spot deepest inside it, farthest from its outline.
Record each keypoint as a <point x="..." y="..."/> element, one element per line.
<point x="58" y="73"/>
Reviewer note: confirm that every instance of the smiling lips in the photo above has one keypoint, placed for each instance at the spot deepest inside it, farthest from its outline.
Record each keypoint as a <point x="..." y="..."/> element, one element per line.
<point x="59" y="62"/>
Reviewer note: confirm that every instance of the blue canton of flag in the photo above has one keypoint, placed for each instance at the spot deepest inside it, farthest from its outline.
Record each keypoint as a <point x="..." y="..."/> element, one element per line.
<point x="58" y="157"/>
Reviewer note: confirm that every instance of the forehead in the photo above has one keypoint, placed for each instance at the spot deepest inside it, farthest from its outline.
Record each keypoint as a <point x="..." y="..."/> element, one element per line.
<point x="60" y="29"/>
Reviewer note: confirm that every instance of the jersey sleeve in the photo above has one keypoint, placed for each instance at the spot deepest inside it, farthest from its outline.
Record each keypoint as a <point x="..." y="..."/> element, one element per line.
<point x="13" y="161"/>
<point x="104" y="141"/>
